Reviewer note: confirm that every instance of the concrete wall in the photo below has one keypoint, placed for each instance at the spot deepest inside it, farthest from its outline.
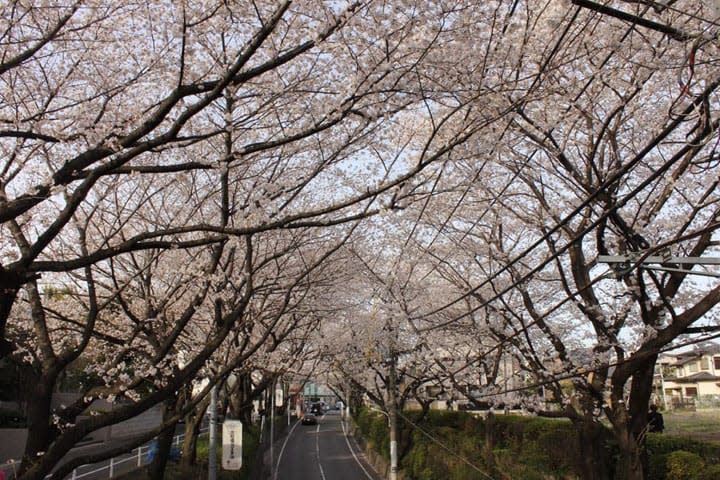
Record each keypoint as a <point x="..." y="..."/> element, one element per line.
<point x="12" y="443"/>
<point x="12" y="440"/>
<point x="142" y="423"/>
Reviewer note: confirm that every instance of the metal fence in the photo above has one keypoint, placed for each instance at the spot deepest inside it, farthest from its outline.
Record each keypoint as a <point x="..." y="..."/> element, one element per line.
<point x="107" y="469"/>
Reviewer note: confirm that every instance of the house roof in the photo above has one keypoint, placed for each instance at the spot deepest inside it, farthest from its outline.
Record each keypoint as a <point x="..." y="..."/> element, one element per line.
<point x="680" y="359"/>
<point x="694" y="378"/>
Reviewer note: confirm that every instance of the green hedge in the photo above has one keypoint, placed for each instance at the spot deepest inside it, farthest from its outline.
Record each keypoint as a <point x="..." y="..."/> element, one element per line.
<point x="679" y="458"/>
<point x="523" y="447"/>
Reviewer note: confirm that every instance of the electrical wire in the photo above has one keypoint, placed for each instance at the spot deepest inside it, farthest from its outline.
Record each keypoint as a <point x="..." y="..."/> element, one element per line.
<point x="448" y="449"/>
<point x="584" y="372"/>
<point x="659" y="172"/>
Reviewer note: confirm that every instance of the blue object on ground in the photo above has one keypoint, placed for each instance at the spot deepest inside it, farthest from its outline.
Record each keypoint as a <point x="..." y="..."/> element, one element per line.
<point x="174" y="455"/>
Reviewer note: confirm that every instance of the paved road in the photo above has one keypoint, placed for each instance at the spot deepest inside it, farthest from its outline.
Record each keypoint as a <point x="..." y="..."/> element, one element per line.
<point x="322" y="452"/>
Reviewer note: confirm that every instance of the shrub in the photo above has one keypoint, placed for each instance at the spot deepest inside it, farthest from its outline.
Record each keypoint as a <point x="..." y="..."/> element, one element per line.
<point x="510" y="468"/>
<point x="684" y="465"/>
<point x="710" y="473"/>
<point x="373" y="426"/>
<point x="660" y="447"/>
<point x="525" y="447"/>
<point x="659" y="444"/>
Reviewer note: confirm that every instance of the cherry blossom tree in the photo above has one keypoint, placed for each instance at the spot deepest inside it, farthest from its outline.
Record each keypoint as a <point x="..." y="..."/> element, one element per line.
<point x="178" y="178"/>
<point x="609" y="155"/>
<point x="150" y="152"/>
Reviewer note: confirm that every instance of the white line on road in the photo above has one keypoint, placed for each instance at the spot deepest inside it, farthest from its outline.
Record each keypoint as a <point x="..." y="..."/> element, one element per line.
<point x="277" y="465"/>
<point x="317" y="450"/>
<point x="353" y="452"/>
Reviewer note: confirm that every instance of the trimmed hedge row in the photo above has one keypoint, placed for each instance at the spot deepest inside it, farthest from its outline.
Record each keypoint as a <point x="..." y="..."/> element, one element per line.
<point x="465" y="447"/>
<point x="679" y="458"/>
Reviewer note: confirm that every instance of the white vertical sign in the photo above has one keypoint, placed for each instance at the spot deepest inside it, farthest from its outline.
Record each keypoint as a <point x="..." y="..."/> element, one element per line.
<point x="278" y="397"/>
<point x="232" y="445"/>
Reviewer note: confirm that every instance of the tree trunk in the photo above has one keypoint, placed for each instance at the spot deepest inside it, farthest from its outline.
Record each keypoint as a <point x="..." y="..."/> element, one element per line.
<point x="156" y="470"/>
<point x="40" y="431"/>
<point x="591" y="450"/>
<point x="629" y="464"/>
<point x="489" y="444"/>
<point x="240" y="400"/>
<point x="631" y="427"/>
<point x="189" y="446"/>
<point x="11" y="282"/>
<point x="193" y="421"/>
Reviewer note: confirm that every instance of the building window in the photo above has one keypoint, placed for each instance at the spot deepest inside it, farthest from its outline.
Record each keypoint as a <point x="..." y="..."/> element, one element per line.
<point x="692" y="367"/>
<point x="704" y="363"/>
<point x="716" y="360"/>
<point x="691" y="392"/>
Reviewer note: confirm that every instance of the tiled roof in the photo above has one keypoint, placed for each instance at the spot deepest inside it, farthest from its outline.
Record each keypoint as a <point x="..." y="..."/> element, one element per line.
<point x="696" y="377"/>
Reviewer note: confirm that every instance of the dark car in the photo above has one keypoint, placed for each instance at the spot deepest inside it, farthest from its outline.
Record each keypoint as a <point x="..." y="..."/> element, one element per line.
<point x="316" y="409"/>
<point x="309" y="419"/>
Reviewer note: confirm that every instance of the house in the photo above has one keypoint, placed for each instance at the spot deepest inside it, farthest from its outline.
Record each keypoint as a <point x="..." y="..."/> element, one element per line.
<point x="689" y="378"/>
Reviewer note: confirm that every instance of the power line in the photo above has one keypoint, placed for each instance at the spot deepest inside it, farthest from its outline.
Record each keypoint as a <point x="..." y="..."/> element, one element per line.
<point x="586" y="371"/>
<point x="576" y="211"/>
<point x="448" y="449"/>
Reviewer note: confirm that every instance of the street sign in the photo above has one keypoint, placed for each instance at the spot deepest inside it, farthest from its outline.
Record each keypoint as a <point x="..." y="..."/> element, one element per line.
<point x="232" y="445"/>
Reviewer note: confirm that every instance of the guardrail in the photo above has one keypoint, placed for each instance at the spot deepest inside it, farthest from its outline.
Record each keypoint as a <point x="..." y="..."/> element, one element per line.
<point x="134" y="459"/>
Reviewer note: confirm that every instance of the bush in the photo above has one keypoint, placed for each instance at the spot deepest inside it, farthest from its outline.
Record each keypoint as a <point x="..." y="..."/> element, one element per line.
<point x="659" y="444"/>
<point x="684" y="465"/>
<point x="524" y="447"/>
<point x="710" y="473"/>
<point x="660" y="447"/>
<point x="373" y="426"/>
<point x="508" y="464"/>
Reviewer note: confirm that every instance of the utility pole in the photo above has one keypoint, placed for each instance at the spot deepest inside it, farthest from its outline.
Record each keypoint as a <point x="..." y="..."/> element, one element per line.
<point x="662" y="387"/>
<point x="392" y="415"/>
<point x="392" y="405"/>
<point x="272" y="428"/>
<point x="212" y="447"/>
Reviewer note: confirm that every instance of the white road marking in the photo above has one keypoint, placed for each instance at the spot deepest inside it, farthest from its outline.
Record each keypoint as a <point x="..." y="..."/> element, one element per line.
<point x="317" y="450"/>
<point x="277" y="465"/>
<point x="353" y="452"/>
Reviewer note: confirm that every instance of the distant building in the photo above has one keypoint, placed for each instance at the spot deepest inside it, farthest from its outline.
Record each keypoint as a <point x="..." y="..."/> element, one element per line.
<point x="688" y="378"/>
<point x="316" y="392"/>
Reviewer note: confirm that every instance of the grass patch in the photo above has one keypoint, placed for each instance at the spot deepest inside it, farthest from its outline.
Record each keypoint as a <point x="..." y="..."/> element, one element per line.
<point x="200" y="470"/>
<point x="688" y="423"/>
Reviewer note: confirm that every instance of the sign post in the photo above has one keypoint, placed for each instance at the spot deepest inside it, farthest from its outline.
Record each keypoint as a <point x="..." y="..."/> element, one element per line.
<point x="232" y="445"/>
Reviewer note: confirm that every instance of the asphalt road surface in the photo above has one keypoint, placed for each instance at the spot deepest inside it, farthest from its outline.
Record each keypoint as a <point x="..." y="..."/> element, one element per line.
<point x="321" y="452"/>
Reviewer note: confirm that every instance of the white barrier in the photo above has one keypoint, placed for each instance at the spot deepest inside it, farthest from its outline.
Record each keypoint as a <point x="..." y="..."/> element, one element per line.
<point x="137" y="456"/>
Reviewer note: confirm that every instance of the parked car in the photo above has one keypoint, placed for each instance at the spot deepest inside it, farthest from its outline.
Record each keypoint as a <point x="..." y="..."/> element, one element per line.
<point x="309" y="419"/>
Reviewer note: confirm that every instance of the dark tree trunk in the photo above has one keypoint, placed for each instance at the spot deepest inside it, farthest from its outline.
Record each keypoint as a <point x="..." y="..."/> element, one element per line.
<point x="10" y="283"/>
<point x="592" y="461"/>
<point x="632" y="462"/>
<point x="241" y="399"/>
<point x="489" y="444"/>
<point x="193" y="421"/>
<point x="40" y="430"/>
<point x="156" y="469"/>
<point x="189" y="446"/>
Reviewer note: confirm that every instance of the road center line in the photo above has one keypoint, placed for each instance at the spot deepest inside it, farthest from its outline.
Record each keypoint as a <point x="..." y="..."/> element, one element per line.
<point x="317" y="450"/>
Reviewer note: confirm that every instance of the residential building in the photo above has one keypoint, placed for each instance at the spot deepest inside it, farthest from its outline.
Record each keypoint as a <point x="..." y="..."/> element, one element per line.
<point x="689" y="378"/>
